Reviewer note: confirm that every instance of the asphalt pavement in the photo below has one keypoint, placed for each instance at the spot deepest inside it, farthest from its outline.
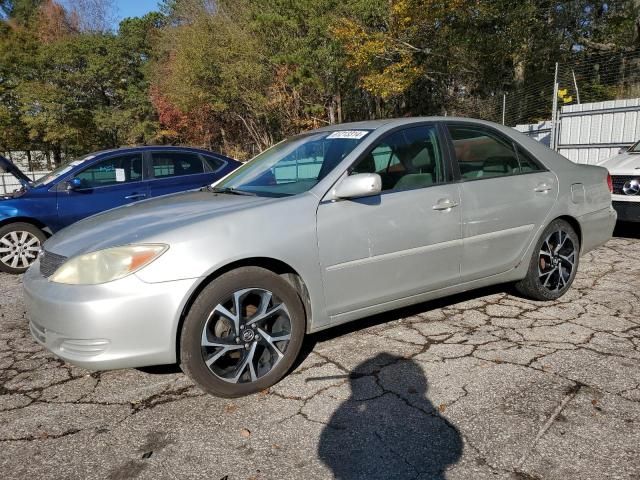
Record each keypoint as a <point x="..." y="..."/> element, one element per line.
<point x="480" y="385"/>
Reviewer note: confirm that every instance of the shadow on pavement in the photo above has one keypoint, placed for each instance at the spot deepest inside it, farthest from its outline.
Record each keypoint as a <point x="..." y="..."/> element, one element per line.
<point x="409" y="311"/>
<point x="627" y="230"/>
<point x="389" y="434"/>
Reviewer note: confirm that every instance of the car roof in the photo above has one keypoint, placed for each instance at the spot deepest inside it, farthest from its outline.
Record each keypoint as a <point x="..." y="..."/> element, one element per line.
<point x="165" y="148"/>
<point x="396" y="122"/>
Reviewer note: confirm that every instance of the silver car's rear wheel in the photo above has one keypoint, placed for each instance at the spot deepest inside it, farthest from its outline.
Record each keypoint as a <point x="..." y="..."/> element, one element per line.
<point x="243" y="332"/>
<point x="556" y="260"/>
<point x="19" y="246"/>
<point x="554" y="263"/>
<point x="246" y="335"/>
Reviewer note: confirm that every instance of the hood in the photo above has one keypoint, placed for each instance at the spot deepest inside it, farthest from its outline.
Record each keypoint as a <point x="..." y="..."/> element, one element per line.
<point x="7" y="166"/>
<point x="152" y="220"/>
<point x="623" y="164"/>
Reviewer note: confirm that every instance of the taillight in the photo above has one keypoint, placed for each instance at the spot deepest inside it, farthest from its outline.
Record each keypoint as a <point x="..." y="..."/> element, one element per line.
<point x="610" y="182"/>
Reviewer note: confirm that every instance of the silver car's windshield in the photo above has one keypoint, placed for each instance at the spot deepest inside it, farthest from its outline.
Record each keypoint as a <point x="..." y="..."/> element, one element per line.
<point x="294" y="165"/>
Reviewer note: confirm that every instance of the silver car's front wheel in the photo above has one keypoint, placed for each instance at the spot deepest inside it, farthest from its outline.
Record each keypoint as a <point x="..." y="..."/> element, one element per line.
<point x="554" y="263"/>
<point x="19" y="246"/>
<point x="243" y="332"/>
<point x="246" y="335"/>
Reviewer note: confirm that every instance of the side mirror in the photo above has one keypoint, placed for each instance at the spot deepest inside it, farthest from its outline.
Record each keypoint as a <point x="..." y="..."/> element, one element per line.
<point x="74" y="184"/>
<point x="359" y="185"/>
<point x="623" y="150"/>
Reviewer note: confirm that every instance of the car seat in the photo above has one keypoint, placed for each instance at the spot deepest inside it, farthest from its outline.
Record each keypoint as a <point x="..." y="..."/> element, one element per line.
<point x="422" y="167"/>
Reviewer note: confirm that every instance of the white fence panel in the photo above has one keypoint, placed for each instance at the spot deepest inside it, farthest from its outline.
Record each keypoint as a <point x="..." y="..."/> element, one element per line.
<point x="9" y="183"/>
<point x="538" y="131"/>
<point x="592" y="132"/>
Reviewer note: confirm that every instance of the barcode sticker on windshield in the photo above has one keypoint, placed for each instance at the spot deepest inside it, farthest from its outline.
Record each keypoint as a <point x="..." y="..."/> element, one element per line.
<point x="354" y="134"/>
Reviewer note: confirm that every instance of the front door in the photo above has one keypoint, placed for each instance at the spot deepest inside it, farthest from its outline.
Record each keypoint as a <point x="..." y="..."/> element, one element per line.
<point x="403" y="242"/>
<point x="106" y="184"/>
<point x="506" y="196"/>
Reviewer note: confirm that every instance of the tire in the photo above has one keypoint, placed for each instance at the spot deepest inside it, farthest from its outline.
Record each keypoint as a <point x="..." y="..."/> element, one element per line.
<point x="242" y="359"/>
<point x="550" y="275"/>
<point x="19" y="246"/>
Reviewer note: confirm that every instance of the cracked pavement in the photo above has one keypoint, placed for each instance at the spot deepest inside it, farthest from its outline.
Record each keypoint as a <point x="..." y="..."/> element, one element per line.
<point x="480" y="385"/>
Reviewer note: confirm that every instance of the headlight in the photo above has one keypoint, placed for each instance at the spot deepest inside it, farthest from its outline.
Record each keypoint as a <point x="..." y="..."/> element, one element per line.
<point x="107" y="265"/>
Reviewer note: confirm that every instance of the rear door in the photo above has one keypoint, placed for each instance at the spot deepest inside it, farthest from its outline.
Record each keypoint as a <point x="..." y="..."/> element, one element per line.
<point x="177" y="171"/>
<point x="506" y="195"/>
<point x="107" y="183"/>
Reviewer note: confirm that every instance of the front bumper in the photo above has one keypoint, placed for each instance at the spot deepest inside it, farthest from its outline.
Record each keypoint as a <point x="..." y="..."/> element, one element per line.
<point x="627" y="211"/>
<point x="123" y="324"/>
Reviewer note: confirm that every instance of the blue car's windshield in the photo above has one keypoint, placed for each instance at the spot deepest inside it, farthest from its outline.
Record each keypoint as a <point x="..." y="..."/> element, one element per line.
<point x="294" y="165"/>
<point x="61" y="170"/>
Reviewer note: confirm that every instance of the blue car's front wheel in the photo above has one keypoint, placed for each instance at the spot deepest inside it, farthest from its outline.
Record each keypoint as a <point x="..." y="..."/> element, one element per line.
<point x="19" y="246"/>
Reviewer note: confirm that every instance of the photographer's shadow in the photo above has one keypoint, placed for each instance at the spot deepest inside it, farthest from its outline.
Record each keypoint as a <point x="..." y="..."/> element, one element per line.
<point x="382" y="435"/>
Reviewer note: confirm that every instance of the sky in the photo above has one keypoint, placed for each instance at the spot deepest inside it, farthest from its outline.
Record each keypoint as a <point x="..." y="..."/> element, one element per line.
<point x="134" y="8"/>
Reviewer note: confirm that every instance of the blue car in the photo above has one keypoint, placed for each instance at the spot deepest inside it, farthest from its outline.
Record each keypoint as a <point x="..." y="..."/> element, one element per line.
<point x="92" y="184"/>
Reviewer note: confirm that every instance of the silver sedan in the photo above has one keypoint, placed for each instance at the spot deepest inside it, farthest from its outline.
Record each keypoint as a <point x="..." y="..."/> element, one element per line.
<point x="324" y="228"/>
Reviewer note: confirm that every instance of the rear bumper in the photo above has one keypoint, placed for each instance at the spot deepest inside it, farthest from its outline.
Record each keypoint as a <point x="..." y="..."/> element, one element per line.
<point x="597" y="228"/>
<point x="628" y="211"/>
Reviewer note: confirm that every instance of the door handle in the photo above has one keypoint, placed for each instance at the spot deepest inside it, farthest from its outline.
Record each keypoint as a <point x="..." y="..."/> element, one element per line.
<point x="135" y="196"/>
<point x="542" y="188"/>
<point x="445" y="204"/>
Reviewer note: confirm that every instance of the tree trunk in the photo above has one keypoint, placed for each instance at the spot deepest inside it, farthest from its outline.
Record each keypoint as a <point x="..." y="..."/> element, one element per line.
<point x="57" y="155"/>
<point x="332" y="110"/>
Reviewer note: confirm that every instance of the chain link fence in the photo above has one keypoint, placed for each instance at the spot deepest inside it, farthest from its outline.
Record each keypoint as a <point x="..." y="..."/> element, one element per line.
<point x="586" y="78"/>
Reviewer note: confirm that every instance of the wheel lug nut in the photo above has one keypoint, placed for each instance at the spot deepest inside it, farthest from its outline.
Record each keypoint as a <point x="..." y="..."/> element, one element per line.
<point x="246" y="345"/>
<point x="257" y="337"/>
<point x="241" y="327"/>
<point x="253" y="326"/>
<point x="237" y="339"/>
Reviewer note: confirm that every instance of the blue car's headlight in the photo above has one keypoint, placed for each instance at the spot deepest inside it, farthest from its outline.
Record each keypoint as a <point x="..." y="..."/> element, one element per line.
<point x="107" y="265"/>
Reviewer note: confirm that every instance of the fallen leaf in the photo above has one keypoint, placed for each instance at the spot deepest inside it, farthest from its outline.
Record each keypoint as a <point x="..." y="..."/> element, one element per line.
<point x="230" y="408"/>
<point x="442" y="407"/>
<point x="245" y="433"/>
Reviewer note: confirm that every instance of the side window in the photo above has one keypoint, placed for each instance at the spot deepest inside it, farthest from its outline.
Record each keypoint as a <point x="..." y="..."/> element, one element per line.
<point x="212" y="163"/>
<point x="175" y="164"/>
<point x="112" y="171"/>
<point x="481" y="153"/>
<point x="527" y="164"/>
<point x="409" y="158"/>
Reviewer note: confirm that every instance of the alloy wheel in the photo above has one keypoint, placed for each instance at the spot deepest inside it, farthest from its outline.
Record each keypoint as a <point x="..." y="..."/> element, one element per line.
<point x="246" y="335"/>
<point x="19" y="249"/>
<point x="556" y="261"/>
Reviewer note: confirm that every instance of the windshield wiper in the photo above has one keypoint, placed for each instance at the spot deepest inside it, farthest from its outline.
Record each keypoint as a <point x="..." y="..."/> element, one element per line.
<point x="231" y="191"/>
